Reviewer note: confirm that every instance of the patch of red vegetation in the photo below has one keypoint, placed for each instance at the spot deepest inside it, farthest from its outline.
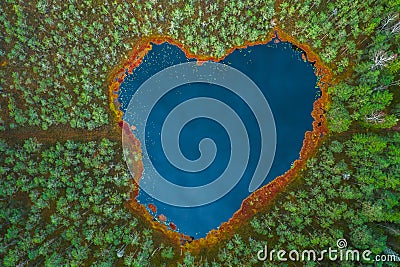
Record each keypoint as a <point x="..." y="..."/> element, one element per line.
<point x="172" y="226"/>
<point x="259" y="199"/>
<point x="162" y="218"/>
<point x="152" y="207"/>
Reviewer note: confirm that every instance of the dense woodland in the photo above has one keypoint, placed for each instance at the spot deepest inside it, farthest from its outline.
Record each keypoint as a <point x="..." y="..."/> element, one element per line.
<point x="63" y="197"/>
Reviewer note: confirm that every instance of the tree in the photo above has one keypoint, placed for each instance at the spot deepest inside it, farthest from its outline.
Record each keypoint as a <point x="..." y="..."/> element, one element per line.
<point x="376" y="117"/>
<point x="339" y="119"/>
<point x="382" y="58"/>
<point x="167" y="253"/>
<point x="388" y="20"/>
<point x="395" y="29"/>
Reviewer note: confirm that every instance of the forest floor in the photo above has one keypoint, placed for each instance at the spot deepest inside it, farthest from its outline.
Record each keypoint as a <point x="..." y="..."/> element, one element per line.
<point x="62" y="133"/>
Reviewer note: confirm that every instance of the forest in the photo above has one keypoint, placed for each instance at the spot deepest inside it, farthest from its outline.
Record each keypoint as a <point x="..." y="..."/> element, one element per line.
<point x="64" y="184"/>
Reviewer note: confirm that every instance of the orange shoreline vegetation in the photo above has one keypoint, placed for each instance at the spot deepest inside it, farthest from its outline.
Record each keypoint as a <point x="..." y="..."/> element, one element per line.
<point x="132" y="146"/>
<point x="259" y="199"/>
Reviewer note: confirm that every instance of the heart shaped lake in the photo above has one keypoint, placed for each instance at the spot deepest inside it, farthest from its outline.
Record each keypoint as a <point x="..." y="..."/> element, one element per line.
<point x="221" y="144"/>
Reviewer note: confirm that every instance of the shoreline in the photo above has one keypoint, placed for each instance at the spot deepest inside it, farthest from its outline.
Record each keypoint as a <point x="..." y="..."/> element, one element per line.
<point x="260" y="198"/>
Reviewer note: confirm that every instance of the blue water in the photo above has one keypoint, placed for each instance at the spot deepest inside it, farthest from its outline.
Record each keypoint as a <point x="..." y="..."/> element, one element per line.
<point x="288" y="84"/>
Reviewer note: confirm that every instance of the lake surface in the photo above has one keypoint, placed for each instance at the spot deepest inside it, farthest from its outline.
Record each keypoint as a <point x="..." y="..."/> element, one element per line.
<point x="288" y="84"/>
